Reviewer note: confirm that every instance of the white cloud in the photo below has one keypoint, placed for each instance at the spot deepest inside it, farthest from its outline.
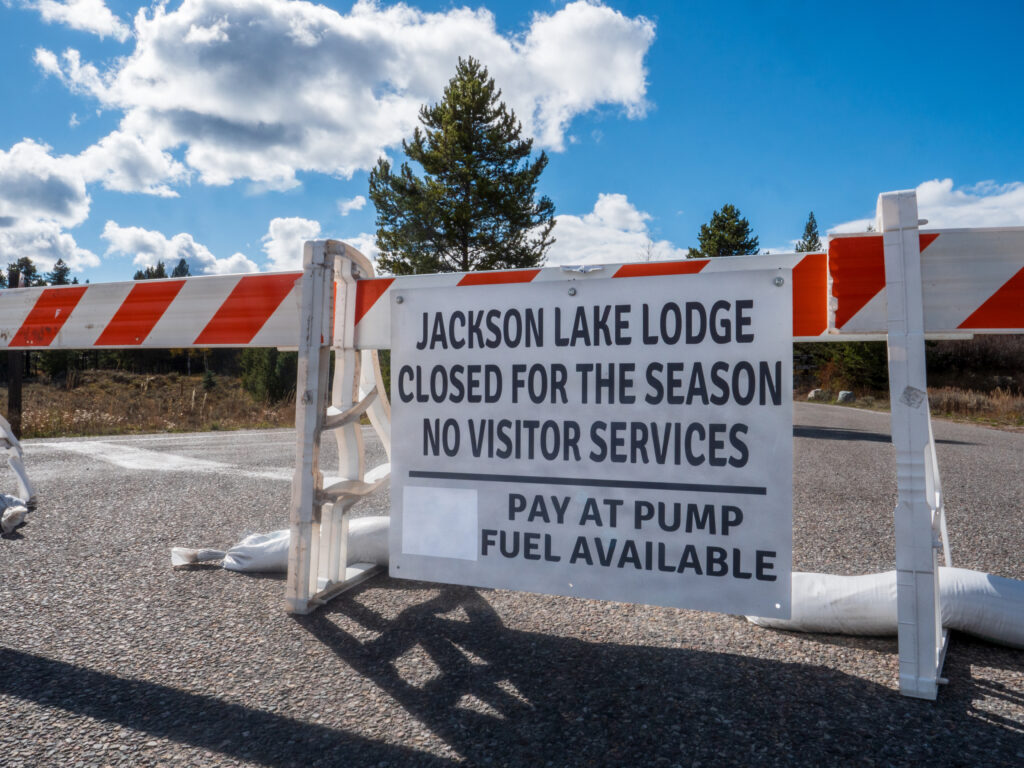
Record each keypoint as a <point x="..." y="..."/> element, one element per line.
<point x="357" y="203"/>
<point x="615" y="231"/>
<point x="584" y="55"/>
<point x="85" y="15"/>
<point x="263" y="89"/>
<point x="34" y="185"/>
<point x="80" y="78"/>
<point x="787" y="247"/>
<point x="985" y="204"/>
<point x="284" y="239"/>
<point x="125" y="163"/>
<point x="147" y="247"/>
<point x="47" y="61"/>
<point x="215" y="33"/>
<point x="40" y="196"/>
<point x="44" y="242"/>
<point x="855" y="225"/>
<point x="233" y="264"/>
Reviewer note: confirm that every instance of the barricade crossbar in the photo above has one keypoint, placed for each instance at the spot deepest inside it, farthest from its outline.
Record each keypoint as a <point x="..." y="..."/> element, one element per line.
<point x="975" y="280"/>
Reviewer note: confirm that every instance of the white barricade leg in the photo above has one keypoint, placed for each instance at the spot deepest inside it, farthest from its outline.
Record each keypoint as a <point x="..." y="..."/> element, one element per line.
<point x="310" y="402"/>
<point x="318" y="566"/>
<point x="11" y="448"/>
<point x="919" y="515"/>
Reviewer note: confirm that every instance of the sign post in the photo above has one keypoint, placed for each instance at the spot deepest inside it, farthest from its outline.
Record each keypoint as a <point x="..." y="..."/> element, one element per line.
<point x="574" y="438"/>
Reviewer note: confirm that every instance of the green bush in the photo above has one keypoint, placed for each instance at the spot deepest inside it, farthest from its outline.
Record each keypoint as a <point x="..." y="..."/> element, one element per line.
<point x="853" y="365"/>
<point x="268" y="375"/>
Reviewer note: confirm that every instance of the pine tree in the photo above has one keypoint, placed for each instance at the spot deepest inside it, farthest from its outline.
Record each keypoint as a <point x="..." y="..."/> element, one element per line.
<point x="27" y="269"/>
<point x="60" y="274"/>
<point x="476" y="205"/>
<point x="181" y="270"/>
<point x="727" y="234"/>
<point x="810" y="242"/>
<point x="268" y="375"/>
<point x="151" y="273"/>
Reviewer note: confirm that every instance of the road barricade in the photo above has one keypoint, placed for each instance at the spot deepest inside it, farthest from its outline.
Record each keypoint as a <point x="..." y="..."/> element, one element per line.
<point x="899" y="283"/>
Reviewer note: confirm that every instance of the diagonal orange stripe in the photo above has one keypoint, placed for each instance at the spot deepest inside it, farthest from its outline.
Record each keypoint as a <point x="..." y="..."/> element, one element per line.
<point x="499" y="278"/>
<point x="140" y="311"/>
<point x="247" y="309"/>
<point x="810" y="295"/>
<point x="857" y="265"/>
<point x="367" y="293"/>
<point x="51" y="310"/>
<point x="659" y="268"/>
<point x="1003" y="309"/>
<point x="858" y="273"/>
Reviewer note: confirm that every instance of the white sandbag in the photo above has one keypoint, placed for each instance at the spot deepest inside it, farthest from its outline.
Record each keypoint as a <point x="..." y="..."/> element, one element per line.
<point x="980" y="604"/>
<point x="268" y="552"/>
<point x="185" y="556"/>
<point x="844" y="605"/>
<point x="983" y="605"/>
<point x="260" y="553"/>
<point x="368" y="540"/>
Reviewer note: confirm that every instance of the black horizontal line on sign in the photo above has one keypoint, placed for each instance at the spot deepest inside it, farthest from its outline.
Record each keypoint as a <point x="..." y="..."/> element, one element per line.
<point x="751" y="490"/>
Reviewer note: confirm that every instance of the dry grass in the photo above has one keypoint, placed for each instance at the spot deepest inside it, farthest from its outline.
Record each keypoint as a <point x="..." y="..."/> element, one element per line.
<point x="974" y="379"/>
<point x="997" y="407"/>
<point x="113" y="402"/>
<point x="1000" y="407"/>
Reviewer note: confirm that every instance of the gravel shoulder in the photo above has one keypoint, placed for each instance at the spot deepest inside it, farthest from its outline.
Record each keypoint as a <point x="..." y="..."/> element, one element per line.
<point x="110" y="657"/>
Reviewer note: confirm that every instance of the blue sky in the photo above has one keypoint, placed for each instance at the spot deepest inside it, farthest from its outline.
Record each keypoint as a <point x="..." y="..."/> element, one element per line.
<point x="227" y="131"/>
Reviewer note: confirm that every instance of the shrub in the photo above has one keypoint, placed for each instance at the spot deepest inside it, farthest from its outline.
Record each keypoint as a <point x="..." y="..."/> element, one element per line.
<point x="268" y="375"/>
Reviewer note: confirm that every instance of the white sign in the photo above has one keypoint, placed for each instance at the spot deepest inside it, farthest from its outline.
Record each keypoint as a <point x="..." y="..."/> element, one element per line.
<point x="625" y="440"/>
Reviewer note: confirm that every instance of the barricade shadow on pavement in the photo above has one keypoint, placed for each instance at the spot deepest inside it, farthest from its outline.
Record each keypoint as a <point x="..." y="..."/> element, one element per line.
<point x="203" y="721"/>
<point x="847" y="434"/>
<point x="501" y="696"/>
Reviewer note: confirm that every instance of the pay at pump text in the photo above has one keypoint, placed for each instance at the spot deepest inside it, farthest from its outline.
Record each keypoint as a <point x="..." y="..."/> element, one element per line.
<point x="614" y="513"/>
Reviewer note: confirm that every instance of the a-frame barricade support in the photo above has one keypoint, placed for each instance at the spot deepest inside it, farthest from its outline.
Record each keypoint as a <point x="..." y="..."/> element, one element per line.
<point x="919" y="515"/>
<point x="318" y="565"/>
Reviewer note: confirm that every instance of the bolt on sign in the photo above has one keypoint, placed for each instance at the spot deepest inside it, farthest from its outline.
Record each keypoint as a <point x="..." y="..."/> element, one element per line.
<point x="578" y="438"/>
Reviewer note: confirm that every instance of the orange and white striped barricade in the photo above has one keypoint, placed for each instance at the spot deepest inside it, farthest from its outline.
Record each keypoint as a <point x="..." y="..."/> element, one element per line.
<point x="869" y="285"/>
<point x="973" y="281"/>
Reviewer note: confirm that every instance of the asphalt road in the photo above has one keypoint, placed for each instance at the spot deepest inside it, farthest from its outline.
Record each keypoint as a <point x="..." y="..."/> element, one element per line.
<point x="110" y="657"/>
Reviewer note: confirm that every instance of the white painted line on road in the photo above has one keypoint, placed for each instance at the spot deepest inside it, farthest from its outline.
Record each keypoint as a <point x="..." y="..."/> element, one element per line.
<point x="201" y="438"/>
<point x="270" y="437"/>
<point x="144" y="460"/>
<point x="287" y="438"/>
